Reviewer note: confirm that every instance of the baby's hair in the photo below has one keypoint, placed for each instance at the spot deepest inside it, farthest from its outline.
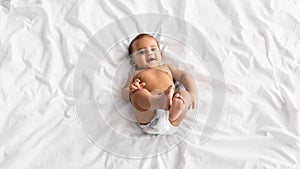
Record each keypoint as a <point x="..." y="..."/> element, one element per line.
<point x="140" y="36"/>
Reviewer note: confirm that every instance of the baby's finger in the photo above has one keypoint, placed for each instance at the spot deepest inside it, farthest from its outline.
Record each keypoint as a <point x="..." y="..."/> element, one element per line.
<point x="137" y="81"/>
<point x="132" y="87"/>
<point x="142" y="84"/>
<point x="136" y="84"/>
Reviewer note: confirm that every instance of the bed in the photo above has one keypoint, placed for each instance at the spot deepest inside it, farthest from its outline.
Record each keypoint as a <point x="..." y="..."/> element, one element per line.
<point x="63" y="65"/>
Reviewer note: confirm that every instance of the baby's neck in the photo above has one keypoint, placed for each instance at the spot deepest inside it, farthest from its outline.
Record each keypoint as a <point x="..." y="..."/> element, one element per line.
<point x="141" y="68"/>
<point x="138" y="68"/>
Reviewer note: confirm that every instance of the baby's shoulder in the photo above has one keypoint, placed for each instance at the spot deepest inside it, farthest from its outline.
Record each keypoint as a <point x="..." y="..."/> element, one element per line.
<point x="135" y="72"/>
<point x="168" y="66"/>
<point x="165" y="66"/>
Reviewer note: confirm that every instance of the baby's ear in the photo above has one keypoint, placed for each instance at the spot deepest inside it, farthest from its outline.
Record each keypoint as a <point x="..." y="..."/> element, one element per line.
<point x="132" y="61"/>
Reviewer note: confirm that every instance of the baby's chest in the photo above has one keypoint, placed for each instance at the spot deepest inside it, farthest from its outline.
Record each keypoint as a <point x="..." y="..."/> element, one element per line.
<point x="155" y="79"/>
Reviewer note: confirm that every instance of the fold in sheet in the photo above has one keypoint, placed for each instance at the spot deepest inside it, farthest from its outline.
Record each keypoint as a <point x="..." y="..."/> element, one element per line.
<point x="256" y="42"/>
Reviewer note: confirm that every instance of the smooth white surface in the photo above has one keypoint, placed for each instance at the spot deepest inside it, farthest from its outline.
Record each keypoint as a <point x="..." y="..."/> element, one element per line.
<point x="257" y="42"/>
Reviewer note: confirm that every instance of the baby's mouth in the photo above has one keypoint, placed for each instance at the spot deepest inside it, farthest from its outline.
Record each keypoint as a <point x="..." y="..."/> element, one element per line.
<point x="151" y="59"/>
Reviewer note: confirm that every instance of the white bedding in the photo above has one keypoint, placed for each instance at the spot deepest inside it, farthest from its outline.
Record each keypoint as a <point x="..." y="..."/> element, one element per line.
<point x="63" y="64"/>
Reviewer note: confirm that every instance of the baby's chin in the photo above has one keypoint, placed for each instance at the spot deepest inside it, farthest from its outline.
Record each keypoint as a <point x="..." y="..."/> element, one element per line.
<point x="150" y="66"/>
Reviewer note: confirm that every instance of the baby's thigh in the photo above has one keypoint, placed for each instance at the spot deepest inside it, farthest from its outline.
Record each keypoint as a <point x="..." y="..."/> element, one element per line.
<point x="140" y="95"/>
<point x="140" y="100"/>
<point x="144" y="117"/>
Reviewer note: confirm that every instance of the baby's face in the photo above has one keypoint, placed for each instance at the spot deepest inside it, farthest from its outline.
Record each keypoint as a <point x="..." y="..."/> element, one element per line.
<point x="146" y="53"/>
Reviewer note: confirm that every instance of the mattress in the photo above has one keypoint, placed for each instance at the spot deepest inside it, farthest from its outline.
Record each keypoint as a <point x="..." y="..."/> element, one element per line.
<point x="63" y="65"/>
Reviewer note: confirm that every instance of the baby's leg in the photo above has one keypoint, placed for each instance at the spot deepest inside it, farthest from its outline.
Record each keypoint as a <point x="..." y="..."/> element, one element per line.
<point x="145" y="103"/>
<point x="169" y="96"/>
<point x="143" y="100"/>
<point x="179" y="108"/>
<point x="144" y="117"/>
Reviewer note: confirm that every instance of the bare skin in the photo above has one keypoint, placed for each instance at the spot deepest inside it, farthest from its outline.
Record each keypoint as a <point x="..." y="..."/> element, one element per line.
<point x="156" y="81"/>
<point x="152" y="87"/>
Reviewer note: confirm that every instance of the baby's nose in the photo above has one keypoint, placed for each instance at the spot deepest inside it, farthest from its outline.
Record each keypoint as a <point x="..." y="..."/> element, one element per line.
<point x="149" y="52"/>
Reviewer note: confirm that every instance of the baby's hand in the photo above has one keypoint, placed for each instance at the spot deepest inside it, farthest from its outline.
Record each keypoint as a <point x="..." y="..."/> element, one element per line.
<point x="193" y="101"/>
<point x="136" y="85"/>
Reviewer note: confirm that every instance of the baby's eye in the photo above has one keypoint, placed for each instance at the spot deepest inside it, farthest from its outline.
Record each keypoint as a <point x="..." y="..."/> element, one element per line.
<point x="141" y="52"/>
<point x="153" y="49"/>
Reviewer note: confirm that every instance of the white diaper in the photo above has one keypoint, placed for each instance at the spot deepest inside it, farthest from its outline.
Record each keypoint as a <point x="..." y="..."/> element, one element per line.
<point x="160" y="124"/>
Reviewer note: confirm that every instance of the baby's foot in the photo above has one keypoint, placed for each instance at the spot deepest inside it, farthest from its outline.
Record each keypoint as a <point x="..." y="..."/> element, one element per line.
<point x="169" y="95"/>
<point x="176" y="107"/>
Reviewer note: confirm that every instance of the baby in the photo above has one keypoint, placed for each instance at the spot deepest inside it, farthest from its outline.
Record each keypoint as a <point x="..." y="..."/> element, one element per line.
<point x="151" y="86"/>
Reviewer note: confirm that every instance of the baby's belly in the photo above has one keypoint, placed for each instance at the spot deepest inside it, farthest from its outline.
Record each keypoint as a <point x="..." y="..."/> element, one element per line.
<point x="155" y="79"/>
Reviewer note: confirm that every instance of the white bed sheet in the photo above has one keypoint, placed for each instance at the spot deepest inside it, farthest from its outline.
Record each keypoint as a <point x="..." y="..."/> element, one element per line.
<point x="256" y="42"/>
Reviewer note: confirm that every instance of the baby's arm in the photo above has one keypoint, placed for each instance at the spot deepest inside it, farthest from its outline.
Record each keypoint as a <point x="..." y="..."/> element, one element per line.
<point x="186" y="79"/>
<point x="125" y="91"/>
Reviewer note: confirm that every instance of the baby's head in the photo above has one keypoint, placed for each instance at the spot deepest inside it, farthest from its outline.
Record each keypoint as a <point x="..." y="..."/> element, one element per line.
<point x="145" y="52"/>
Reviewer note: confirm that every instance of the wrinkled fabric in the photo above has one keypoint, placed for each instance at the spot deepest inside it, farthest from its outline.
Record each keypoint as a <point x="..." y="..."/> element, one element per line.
<point x="257" y="43"/>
